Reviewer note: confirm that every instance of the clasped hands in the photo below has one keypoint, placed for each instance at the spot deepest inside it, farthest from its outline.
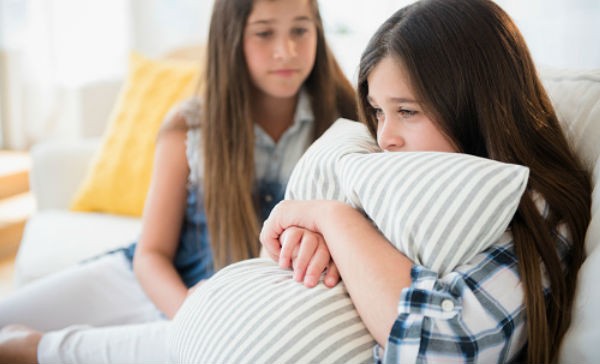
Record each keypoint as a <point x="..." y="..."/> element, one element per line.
<point x="293" y="243"/>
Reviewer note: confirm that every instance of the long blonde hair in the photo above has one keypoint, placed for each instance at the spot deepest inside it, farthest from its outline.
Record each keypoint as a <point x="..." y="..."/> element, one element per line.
<point x="471" y="68"/>
<point x="228" y="128"/>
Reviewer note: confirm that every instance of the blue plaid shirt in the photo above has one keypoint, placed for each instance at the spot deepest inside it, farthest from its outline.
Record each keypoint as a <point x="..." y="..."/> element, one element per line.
<point x="474" y="314"/>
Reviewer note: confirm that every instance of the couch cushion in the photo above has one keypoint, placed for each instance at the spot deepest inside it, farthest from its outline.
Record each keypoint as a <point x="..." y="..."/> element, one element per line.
<point x="55" y="239"/>
<point x="119" y="177"/>
<point x="576" y="98"/>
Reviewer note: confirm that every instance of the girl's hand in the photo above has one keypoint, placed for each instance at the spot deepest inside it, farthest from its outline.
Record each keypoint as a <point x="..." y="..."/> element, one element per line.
<point x="307" y="253"/>
<point x="303" y="215"/>
<point x="286" y="214"/>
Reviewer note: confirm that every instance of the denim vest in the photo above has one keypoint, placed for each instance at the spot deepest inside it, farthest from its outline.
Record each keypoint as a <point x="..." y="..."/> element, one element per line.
<point x="193" y="258"/>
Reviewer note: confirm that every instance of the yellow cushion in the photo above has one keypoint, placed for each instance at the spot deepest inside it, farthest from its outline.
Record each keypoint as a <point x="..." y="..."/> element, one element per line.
<point x="119" y="177"/>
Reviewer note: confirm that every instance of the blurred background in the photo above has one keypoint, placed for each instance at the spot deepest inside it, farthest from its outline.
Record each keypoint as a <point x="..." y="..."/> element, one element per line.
<point x="50" y="50"/>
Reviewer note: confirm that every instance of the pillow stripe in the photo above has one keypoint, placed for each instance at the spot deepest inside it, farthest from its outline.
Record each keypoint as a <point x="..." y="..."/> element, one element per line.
<point x="453" y="226"/>
<point x="216" y="320"/>
<point x="236" y="294"/>
<point x="336" y="342"/>
<point x="283" y="333"/>
<point x="362" y="353"/>
<point x="252" y="306"/>
<point x="435" y="222"/>
<point x="476" y="212"/>
<point x="437" y="216"/>
<point x="321" y="159"/>
<point x="325" y="343"/>
<point x="422" y="196"/>
<point x="484" y="214"/>
<point x="413" y="195"/>
<point x="233" y="291"/>
<point x="299" y="335"/>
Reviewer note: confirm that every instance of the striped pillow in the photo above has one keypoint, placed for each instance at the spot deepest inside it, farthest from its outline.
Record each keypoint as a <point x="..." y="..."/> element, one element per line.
<point x="437" y="208"/>
<point x="255" y="312"/>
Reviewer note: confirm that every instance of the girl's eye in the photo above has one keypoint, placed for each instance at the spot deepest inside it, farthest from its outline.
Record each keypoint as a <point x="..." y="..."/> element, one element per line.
<point x="379" y="115"/>
<point x="264" y="34"/>
<point x="299" y="31"/>
<point x="407" y="113"/>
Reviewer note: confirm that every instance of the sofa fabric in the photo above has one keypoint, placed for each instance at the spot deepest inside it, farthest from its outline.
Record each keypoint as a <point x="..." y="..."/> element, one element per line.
<point x="56" y="239"/>
<point x="576" y="98"/>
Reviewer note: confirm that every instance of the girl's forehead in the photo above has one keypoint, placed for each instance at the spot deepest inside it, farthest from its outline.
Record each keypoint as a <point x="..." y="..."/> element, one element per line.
<point x="272" y="10"/>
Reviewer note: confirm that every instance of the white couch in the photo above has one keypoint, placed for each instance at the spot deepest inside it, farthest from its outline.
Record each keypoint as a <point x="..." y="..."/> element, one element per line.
<point x="55" y="237"/>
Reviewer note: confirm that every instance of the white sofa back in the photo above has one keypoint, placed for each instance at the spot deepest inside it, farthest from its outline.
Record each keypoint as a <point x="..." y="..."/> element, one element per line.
<point x="576" y="98"/>
<point x="58" y="170"/>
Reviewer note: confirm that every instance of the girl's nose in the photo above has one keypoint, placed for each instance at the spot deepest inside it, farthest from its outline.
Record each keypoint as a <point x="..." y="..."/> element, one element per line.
<point x="284" y="49"/>
<point x="389" y="137"/>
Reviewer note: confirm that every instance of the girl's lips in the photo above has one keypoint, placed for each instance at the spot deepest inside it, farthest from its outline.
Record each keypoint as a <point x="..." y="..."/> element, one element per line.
<point x="286" y="72"/>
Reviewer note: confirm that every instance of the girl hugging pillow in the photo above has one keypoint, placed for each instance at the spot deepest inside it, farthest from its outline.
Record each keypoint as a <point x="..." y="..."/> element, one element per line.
<point x="439" y="209"/>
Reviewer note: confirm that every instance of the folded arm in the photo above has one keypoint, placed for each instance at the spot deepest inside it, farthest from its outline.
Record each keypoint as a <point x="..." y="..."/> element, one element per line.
<point x="373" y="270"/>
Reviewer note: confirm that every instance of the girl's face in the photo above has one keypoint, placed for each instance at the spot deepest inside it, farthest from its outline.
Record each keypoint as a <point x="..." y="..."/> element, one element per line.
<point x="402" y="124"/>
<point x="280" y="44"/>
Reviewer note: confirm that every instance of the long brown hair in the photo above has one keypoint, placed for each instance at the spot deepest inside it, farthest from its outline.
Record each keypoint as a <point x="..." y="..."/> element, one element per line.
<point x="472" y="71"/>
<point x="228" y="128"/>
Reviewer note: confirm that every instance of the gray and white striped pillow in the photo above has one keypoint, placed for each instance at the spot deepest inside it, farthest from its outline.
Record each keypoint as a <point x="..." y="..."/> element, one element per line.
<point x="437" y="208"/>
<point x="255" y="312"/>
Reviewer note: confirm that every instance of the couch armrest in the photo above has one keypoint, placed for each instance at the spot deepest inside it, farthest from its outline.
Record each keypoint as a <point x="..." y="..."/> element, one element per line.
<point x="58" y="168"/>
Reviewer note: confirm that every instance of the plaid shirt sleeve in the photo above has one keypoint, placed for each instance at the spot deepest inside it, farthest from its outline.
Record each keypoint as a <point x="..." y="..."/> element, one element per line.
<point x="474" y="314"/>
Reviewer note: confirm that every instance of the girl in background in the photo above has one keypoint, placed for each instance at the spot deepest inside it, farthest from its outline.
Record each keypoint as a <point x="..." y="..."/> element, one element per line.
<point x="456" y="76"/>
<point x="222" y="162"/>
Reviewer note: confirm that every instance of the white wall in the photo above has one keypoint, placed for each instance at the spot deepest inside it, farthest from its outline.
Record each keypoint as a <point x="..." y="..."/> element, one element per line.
<point x="161" y="25"/>
<point x="2" y="76"/>
<point x="560" y="33"/>
<point x="51" y="51"/>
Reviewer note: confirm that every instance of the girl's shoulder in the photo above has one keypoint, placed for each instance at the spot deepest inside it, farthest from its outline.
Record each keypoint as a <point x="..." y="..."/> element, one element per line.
<point x="193" y="153"/>
<point x="190" y="110"/>
<point x="184" y="118"/>
<point x="184" y="115"/>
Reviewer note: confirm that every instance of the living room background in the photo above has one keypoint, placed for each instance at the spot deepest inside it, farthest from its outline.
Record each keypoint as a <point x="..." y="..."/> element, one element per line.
<point x="52" y="50"/>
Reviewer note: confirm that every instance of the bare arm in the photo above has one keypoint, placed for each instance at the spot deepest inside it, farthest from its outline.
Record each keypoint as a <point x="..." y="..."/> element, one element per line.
<point x="373" y="270"/>
<point x="162" y="219"/>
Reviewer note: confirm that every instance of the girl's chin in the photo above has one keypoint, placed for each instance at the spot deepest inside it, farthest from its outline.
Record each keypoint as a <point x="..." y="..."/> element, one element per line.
<point x="282" y="92"/>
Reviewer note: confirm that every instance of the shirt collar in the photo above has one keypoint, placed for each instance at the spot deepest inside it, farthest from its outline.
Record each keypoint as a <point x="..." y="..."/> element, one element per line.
<point x="302" y="115"/>
<point x="303" y="109"/>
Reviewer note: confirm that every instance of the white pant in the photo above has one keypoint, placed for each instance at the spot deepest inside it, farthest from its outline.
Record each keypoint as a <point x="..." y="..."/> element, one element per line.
<point x="102" y="293"/>
<point x="127" y="344"/>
